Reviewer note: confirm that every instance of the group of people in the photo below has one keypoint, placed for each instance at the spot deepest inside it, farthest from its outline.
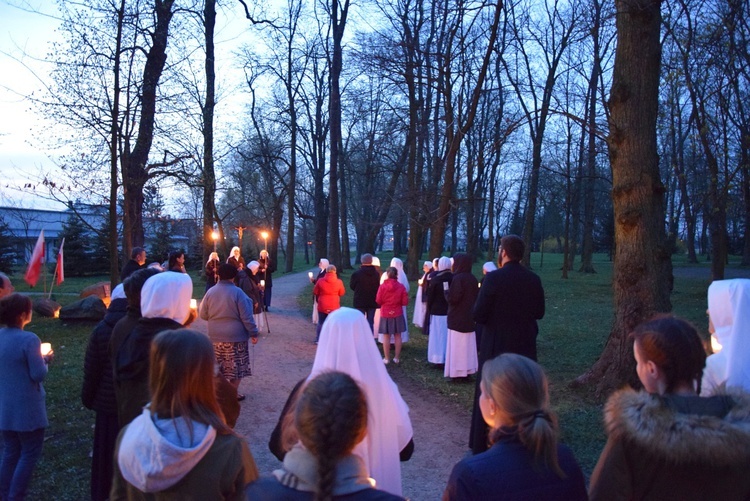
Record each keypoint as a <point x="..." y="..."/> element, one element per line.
<point x="260" y="271"/>
<point x="166" y="396"/>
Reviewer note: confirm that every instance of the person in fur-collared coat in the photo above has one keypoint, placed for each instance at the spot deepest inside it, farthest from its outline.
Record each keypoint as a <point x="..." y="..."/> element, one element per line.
<point x="667" y="442"/>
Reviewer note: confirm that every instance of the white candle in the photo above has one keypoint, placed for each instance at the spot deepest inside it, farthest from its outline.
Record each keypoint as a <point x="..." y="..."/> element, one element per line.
<point x="193" y="304"/>
<point x="262" y="283"/>
<point x="309" y="274"/>
<point x="420" y="281"/>
<point x="46" y="348"/>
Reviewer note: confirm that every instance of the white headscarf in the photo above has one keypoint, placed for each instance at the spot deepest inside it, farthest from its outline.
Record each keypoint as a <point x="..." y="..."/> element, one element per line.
<point x="253" y="266"/>
<point x="167" y="295"/>
<point x="444" y="263"/>
<point x="118" y="293"/>
<point x="489" y="266"/>
<point x="231" y="254"/>
<point x="375" y="261"/>
<point x="214" y="256"/>
<point x="402" y="279"/>
<point x="729" y="307"/>
<point x="346" y="345"/>
<point x="427" y="264"/>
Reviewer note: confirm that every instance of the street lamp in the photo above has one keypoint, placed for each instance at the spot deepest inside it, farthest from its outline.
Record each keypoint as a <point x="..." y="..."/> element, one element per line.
<point x="215" y="236"/>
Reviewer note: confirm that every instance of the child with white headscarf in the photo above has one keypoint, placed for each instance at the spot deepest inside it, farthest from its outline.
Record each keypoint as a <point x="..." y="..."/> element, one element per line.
<point x="729" y="323"/>
<point x="346" y="345"/>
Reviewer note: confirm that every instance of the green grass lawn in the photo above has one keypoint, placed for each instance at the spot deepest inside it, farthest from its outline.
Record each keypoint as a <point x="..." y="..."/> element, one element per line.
<point x="572" y="334"/>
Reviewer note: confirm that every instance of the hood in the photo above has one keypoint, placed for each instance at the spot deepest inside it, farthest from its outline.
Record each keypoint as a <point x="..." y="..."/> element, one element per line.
<point x="155" y="454"/>
<point x="397" y="263"/>
<point x="653" y="423"/>
<point x="462" y="263"/>
<point x="116" y="310"/>
<point x="167" y="295"/>
<point x="253" y="266"/>
<point x="729" y="304"/>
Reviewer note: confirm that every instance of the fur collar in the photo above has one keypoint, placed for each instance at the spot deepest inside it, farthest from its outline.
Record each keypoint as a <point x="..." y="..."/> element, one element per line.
<point x="652" y="423"/>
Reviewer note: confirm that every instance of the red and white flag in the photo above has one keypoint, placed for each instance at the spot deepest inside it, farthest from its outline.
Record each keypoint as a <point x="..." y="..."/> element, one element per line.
<point x="35" y="263"/>
<point x="59" y="268"/>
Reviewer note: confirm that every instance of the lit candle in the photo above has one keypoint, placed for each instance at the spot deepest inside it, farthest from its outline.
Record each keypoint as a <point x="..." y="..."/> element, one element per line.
<point x="262" y="283"/>
<point x="46" y="349"/>
<point x="309" y="274"/>
<point x="420" y="281"/>
<point x="193" y="304"/>
<point x="479" y="285"/>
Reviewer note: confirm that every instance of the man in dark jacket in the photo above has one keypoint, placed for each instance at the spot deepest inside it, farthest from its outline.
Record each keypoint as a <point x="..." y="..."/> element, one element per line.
<point x="137" y="262"/>
<point x="365" y="282"/>
<point x="510" y="302"/>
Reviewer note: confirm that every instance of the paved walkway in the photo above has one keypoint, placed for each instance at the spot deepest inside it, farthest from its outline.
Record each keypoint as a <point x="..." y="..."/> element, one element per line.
<point x="285" y="356"/>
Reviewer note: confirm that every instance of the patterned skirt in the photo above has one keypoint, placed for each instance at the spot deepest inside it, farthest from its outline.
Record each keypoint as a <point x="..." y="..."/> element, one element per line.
<point x="233" y="359"/>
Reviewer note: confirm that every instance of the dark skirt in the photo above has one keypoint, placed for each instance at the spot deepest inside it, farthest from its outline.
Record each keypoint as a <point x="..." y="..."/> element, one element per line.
<point x="395" y="325"/>
<point x="233" y="359"/>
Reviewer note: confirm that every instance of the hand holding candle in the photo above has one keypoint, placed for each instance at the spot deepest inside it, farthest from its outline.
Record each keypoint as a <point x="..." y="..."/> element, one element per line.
<point x="46" y="349"/>
<point x="193" y="304"/>
<point x="262" y="283"/>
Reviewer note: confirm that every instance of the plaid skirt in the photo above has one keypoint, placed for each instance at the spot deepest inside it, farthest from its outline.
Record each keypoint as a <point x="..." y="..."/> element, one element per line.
<point x="233" y="359"/>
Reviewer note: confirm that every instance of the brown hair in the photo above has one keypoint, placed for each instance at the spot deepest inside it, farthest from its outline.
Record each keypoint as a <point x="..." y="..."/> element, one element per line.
<point x="330" y="419"/>
<point x="675" y="346"/>
<point x="12" y="308"/>
<point x="181" y="379"/>
<point x="392" y="272"/>
<point x="518" y="387"/>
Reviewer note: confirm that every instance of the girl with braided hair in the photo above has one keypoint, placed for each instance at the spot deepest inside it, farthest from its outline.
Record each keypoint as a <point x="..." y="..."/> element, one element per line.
<point x="525" y="460"/>
<point x="329" y="420"/>
<point x="667" y="442"/>
<point x="346" y="345"/>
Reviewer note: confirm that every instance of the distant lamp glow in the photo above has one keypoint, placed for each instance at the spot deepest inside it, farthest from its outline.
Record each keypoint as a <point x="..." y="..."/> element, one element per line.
<point x="215" y="237"/>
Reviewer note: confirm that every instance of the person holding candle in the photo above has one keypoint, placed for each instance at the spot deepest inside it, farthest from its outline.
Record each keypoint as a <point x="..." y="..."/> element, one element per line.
<point x="322" y="265"/>
<point x="421" y="300"/>
<point x="23" y="414"/>
<point x="235" y="259"/>
<point x="212" y="270"/>
<point x="165" y="305"/>
<point x="266" y="267"/>
<point x="666" y="442"/>
<point x="250" y="284"/>
<point x="180" y="446"/>
<point x="729" y="325"/>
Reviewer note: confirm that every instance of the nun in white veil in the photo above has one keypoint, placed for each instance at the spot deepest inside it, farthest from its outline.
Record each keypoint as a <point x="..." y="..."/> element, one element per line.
<point x="419" y="306"/>
<point x="729" y="321"/>
<point x="399" y="265"/>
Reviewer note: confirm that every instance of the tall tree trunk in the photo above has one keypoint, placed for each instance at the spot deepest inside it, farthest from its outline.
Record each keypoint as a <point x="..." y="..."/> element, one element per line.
<point x="209" y="175"/>
<point x="135" y="166"/>
<point x="114" y="269"/>
<point x="642" y="268"/>
<point x="338" y="24"/>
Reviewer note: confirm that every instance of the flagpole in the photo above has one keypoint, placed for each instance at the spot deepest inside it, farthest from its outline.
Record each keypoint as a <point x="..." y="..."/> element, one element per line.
<point x="52" y="284"/>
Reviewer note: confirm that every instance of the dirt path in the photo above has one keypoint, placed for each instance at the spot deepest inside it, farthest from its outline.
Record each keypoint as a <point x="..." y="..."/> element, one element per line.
<point x="285" y="356"/>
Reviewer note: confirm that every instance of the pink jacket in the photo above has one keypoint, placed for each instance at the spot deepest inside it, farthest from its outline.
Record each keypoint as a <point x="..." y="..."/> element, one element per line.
<point x="391" y="297"/>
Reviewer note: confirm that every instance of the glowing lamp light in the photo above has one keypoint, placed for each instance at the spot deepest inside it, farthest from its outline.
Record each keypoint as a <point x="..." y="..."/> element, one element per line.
<point x="215" y="235"/>
<point x="264" y="234"/>
<point x="46" y="349"/>
<point x="56" y="314"/>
